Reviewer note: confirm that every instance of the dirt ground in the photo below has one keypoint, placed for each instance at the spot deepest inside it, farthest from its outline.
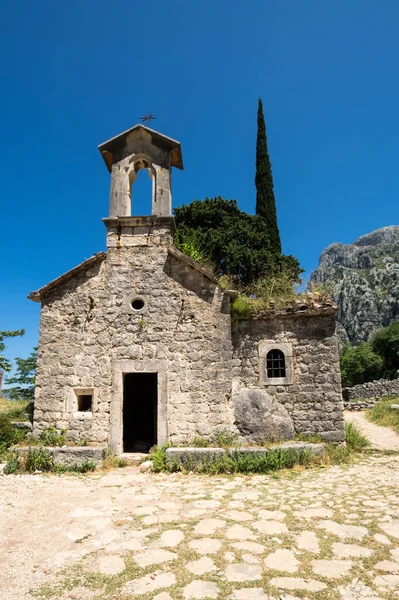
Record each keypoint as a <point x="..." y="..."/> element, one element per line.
<point x="329" y="533"/>
<point x="381" y="438"/>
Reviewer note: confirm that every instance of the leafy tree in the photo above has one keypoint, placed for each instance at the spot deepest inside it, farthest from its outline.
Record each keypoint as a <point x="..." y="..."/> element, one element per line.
<point x="24" y="378"/>
<point x="265" y="201"/>
<point x="5" y="363"/>
<point x="360" y="364"/>
<point x="386" y="344"/>
<point x="235" y="243"/>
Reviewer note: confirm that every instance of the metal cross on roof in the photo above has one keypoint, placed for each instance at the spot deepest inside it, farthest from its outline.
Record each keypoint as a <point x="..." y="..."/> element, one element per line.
<point x="146" y="118"/>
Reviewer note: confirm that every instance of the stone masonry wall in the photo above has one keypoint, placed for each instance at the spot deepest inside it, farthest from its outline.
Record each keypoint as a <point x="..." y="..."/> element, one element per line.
<point x="314" y="399"/>
<point x="88" y="331"/>
<point x="372" y="389"/>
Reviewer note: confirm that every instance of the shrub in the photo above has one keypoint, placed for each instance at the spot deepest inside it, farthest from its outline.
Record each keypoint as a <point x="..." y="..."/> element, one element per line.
<point x="86" y="466"/>
<point x="13" y="464"/>
<point x="39" y="459"/>
<point x="241" y="307"/>
<point x="158" y="457"/>
<point x="53" y="437"/>
<point x="386" y="344"/>
<point x="236" y="243"/>
<point x="190" y="248"/>
<point x="360" y="364"/>
<point x="198" y="442"/>
<point x="235" y="462"/>
<point x="226" y="439"/>
<point x="29" y="411"/>
<point x="336" y="455"/>
<point x="112" y="460"/>
<point x="7" y="433"/>
<point x="354" y="437"/>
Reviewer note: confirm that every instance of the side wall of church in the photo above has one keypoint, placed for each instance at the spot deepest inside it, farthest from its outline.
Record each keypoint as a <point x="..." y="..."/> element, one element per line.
<point x="313" y="400"/>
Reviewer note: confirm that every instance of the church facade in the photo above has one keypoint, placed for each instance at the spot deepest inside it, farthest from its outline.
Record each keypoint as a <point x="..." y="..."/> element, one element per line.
<point x="138" y="347"/>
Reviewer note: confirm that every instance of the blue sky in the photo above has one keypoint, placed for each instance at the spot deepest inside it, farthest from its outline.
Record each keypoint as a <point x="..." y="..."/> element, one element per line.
<point x="74" y="74"/>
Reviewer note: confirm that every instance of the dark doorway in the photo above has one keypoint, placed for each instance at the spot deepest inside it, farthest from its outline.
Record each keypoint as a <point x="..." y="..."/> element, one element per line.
<point x="139" y="411"/>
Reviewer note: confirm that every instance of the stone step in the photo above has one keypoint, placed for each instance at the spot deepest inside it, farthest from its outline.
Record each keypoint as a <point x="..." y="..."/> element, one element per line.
<point x="134" y="458"/>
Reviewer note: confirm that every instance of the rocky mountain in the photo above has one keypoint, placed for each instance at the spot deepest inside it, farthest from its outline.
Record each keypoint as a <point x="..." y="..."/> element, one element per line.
<point x="364" y="280"/>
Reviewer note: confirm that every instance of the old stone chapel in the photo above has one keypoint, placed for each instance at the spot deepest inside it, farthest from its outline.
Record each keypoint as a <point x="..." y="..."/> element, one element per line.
<point x="137" y="345"/>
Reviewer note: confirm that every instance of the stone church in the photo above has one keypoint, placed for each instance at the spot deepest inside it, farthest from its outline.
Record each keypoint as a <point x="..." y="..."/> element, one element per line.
<point x="138" y="347"/>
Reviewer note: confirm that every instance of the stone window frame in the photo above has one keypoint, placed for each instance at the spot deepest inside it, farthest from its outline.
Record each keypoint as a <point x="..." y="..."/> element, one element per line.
<point x="287" y="349"/>
<point x="83" y="415"/>
<point x="134" y="311"/>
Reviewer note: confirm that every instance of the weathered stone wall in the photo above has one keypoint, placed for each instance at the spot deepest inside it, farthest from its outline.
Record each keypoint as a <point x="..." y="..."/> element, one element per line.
<point x="313" y="400"/>
<point x="208" y="369"/>
<point x="90" y="335"/>
<point x="373" y="389"/>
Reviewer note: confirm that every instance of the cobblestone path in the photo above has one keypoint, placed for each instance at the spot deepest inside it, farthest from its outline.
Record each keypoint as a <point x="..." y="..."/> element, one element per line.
<point x="319" y="534"/>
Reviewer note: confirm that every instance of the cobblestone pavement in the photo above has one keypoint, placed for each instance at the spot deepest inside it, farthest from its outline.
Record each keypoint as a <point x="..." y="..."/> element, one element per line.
<point x="329" y="533"/>
<point x="381" y="438"/>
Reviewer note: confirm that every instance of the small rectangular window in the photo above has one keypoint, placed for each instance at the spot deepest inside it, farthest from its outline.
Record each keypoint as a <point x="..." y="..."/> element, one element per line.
<point x="85" y="402"/>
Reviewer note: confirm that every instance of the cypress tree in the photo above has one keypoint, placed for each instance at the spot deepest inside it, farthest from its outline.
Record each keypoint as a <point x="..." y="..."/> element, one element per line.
<point x="265" y="201"/>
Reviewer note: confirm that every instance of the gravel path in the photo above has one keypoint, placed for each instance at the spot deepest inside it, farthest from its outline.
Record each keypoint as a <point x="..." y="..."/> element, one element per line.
<point x="381" y="438"/>
<point x="319" y="534"/>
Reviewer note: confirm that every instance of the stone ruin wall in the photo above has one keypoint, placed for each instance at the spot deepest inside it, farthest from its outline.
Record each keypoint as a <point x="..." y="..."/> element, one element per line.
<point x="373" y="389"/>
<point x="87" y="329"/>
<point x="313" y="400"/>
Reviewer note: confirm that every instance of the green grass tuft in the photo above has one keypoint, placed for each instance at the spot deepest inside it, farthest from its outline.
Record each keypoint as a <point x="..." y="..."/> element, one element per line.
<point x="383" y="414"/>
<point x="355" y="438"/>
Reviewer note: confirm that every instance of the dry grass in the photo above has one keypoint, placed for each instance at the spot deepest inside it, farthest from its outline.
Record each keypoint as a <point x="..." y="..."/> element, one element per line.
<point x="383" y="414"/>
<point x="14" y="410"/>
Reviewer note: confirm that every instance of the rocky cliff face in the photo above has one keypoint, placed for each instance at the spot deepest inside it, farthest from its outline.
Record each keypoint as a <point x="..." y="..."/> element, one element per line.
<point x="365" y="282"/>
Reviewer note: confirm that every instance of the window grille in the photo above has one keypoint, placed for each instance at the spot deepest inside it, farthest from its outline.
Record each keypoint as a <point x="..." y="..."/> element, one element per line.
<point x="275" y="363"/>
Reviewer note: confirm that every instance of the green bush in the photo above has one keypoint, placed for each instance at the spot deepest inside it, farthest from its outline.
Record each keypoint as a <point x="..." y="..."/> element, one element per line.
<point x="29" y="411"/>
<point x="226" y="439"/>
<point x="53" y="437"/>
<point x="371" y="360"/>
<point x="13" y="465"/>
<point x="235" y="243"/>
<point x="235" y="462"/>
<point x="7" y="433"/>
<point x="198" y="442"/>
<point x="386" y="345"/>
<point x="191" y="249"/>
<point x="336" y="455"/>
<point x="112" y="460"/>
<point x="360" y="364"/>
<point x="158" y="457"/>
<point x="86" y="466"/>
<point x="354" y="437"/>
<point x="39" y="459"/>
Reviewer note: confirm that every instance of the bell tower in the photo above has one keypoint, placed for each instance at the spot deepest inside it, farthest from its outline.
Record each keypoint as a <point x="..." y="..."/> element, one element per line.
<point x="135" y="149"/>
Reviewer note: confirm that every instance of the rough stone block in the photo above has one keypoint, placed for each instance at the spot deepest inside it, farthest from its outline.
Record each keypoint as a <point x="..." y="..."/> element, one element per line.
<point x="258" y="416"/>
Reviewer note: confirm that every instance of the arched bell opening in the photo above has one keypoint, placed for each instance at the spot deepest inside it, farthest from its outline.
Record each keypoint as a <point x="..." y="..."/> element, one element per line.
<point x="142" y="189"/>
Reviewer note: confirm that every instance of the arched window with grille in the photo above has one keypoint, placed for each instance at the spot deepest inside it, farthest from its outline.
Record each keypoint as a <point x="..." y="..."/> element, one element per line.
<point x="275" y="363"/>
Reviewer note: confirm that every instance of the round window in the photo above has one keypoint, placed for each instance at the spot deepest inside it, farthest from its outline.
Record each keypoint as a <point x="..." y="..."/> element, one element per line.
<point x="137" y="304"/>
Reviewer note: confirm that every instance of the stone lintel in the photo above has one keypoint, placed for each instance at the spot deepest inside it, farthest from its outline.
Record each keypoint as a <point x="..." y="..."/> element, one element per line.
<point x="149" y="221"/>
